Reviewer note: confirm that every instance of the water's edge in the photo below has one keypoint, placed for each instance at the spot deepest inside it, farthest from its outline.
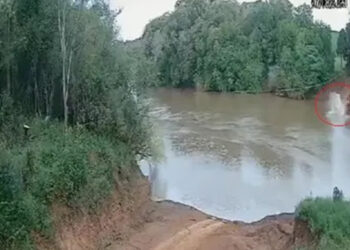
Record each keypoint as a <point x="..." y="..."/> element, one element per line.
<point x="266" y="218"/>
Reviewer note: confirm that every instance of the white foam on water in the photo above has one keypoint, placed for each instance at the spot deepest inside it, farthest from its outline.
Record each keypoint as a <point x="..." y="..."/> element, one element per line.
<point x="337" y="109"/>
<point x="340" y="158"/>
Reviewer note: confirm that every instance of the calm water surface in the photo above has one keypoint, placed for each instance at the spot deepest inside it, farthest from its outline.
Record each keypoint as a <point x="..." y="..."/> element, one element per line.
<point x="242" y="157"/>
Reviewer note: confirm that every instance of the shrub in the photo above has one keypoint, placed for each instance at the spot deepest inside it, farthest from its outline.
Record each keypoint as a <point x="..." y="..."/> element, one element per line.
<point x="10" y="121"/>
<point x="328" y="220"/>
<point x="74" y="167"/>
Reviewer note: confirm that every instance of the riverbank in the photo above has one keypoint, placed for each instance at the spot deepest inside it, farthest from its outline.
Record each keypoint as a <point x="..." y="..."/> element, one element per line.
<point x="132" y="221"/>
<point x="171" y="226"/>
<point x="114" y="220"/>
<point x="129" y="220"/>
<point x="59" y="187"/>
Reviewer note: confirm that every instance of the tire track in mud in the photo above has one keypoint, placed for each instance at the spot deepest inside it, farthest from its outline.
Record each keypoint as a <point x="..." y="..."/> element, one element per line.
<point x="191" y="237"/>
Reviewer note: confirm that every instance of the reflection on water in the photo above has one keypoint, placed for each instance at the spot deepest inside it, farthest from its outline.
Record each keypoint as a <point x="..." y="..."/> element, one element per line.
<point x="243" y="157"/>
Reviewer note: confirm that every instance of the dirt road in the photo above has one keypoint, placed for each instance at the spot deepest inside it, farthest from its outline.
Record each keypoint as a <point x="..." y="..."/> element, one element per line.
<point x="172" y="226"/>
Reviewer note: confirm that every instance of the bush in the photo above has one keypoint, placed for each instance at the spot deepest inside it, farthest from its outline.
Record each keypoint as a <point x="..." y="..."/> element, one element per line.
<point x="11" y="121"/>
<point x="328" y="220"/>
<point x="74" y="167"/>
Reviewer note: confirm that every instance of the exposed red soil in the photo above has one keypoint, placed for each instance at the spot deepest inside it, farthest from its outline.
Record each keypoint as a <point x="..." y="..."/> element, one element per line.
<point x="131" y="221"/>
<point x="79" y="230"/>
<point x="176" y="227"/>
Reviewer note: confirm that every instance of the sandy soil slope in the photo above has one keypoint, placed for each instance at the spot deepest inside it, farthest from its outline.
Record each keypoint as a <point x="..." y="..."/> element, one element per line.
<point x="131" y="221"/>
<point x="176" y="227"/>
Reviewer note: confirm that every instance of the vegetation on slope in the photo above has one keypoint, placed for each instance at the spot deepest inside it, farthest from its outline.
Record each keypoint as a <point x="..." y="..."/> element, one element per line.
<point x="76" y="168"/>
<point x="63" y="73"/>
<point x="328" y="221"/>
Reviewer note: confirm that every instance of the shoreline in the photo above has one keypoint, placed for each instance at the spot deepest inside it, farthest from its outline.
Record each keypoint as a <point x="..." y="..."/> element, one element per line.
<point x="283" y="215"/>
<point x="130" y="220"/>
<point x="169" y="225"/>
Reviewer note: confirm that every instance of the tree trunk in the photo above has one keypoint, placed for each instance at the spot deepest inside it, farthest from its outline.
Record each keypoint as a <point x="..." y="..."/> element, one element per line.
<point x="8" y="77"/>
<point x="37" y="97"/>
<point x="341" y="62"/>
<point x="62" y="30"/>
<point x="8" y="61"/>
<point x="51" y="98"/>
<point x="47" y="102"/>
<point x="36" y="88"/>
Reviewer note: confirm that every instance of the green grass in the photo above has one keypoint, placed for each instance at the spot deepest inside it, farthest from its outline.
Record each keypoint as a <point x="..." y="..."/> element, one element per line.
<point x="328" y="220"/>
<point x="76" y="168"/>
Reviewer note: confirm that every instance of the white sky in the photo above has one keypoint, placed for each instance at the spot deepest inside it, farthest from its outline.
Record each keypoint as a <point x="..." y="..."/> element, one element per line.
<point x="137" y="13"/>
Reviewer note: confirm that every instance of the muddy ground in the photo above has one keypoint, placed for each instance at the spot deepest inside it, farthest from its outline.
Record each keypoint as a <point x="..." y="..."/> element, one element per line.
<point x="131" y="221"/>
<point x="173" y="226"/>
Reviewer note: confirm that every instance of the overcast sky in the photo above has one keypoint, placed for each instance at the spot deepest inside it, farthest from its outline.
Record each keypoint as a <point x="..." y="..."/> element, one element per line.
<point x="137" y="13"/>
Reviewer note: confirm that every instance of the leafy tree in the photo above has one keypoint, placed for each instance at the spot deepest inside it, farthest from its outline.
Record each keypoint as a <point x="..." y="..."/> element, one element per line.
<point x="60" y="60"/>
<point x="227" y="46"/>
<point x="342" y="45"/>
<point x="303" y="15"/>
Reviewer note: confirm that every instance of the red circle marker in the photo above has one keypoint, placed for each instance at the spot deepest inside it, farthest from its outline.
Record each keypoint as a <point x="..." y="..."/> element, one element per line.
<point x="336" y="85"/>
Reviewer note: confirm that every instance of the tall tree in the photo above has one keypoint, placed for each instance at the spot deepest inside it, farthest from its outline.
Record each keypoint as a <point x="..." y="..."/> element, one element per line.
<point x="66" y="55"/>
<point x="8" y="38"/>
<point x="347" y="47"/>
<point x="342" y="45"/>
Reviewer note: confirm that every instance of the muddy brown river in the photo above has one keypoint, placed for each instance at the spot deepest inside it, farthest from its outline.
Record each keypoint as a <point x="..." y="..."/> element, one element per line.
<point x="242" y="157"/>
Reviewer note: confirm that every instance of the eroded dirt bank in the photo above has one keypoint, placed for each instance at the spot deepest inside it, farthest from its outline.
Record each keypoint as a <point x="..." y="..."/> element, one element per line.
<point x="171" y="226"/>
<point x="131" y="221"/>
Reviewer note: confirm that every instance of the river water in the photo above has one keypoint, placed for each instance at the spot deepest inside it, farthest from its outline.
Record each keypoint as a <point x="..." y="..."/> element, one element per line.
<point x="242" y="157"/>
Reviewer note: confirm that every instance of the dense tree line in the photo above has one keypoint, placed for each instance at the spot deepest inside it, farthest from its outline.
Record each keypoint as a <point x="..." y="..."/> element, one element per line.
<point x="251" y="47"/>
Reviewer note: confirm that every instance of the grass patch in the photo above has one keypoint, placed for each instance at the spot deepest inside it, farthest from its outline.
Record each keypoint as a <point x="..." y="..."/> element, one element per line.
<point x="73" y="167"/>
<point x="329" y="220"/>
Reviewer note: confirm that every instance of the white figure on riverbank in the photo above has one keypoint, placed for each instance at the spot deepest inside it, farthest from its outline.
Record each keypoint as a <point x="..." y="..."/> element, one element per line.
<point x="337" y="109"/>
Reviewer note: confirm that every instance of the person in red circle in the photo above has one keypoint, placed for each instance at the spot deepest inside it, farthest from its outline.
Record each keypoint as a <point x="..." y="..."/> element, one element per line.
<point x="348" y="105"/>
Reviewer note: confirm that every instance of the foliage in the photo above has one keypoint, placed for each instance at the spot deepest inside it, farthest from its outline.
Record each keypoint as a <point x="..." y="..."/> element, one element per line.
<point x="343" y="45"/>
<point x="227" y="46"/>
<point x="143" y="70"/>
<point x="328" y="220"/>
<point x="75" y="168"/>
<point x="66" y="60"/>
<point x="305" y="65"/>
<point x="10" y="121"/>
<point x="60" y="60"/>
<point x="66" y="64"/>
